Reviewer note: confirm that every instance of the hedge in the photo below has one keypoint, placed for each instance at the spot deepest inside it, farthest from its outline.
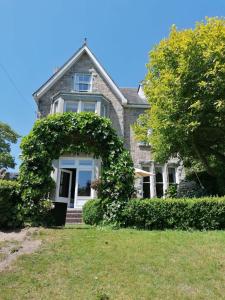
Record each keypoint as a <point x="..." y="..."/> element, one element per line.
<point x="92" y="212"/>
<point x="10" y="204"/>
<point x="202" y="213"/>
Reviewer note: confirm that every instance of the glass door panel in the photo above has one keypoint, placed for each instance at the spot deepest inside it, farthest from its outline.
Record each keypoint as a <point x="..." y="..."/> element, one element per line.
<point x="84" y="183"/>
<point x="64" y="185"/>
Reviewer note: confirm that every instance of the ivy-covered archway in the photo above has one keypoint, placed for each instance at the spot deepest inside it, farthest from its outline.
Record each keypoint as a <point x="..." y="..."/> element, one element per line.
<point x="76" y="133"/>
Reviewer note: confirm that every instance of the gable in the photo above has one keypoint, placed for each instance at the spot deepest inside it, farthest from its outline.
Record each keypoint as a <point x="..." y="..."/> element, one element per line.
<point x="84" y="50"/>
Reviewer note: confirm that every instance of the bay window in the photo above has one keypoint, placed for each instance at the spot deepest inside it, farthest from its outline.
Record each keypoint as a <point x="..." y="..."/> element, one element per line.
<point x="71" y="106"/>
<point x="89" y="107"/>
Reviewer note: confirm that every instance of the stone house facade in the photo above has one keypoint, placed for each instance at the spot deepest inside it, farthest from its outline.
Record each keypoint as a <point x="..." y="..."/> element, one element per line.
<point x="82" y="84"/>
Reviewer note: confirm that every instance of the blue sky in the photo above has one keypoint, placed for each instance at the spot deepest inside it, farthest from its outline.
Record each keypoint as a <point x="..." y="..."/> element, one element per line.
<point x="37" y="36"/>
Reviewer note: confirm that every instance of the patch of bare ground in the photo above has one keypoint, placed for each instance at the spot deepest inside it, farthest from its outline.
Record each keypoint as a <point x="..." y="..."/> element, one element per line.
<point x="15" y="243"/>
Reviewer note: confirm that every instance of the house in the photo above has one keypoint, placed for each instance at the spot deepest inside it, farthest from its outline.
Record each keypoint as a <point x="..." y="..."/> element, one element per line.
<point x="82" y="84"/>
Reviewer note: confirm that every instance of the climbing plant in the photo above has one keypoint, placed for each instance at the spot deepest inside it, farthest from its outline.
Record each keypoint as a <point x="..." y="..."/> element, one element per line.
<point x="76" y="133"/>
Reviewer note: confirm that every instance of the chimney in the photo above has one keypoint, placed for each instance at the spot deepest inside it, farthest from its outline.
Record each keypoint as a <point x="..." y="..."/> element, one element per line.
<point x="55" y="70"/>
<point x="141" y="91"/>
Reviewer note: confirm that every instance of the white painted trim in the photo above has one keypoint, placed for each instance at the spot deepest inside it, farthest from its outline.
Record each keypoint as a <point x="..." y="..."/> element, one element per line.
<point x="61" y="72"/>
<point x="137" y="105"/>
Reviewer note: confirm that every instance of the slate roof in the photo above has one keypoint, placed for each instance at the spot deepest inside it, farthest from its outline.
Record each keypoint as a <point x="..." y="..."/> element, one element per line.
<point x="131" y="94"/>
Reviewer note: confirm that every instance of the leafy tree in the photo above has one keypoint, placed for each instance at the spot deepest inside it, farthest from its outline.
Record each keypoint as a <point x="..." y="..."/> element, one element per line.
<point x="185" y="86"/>
<point x="7" y="136"/>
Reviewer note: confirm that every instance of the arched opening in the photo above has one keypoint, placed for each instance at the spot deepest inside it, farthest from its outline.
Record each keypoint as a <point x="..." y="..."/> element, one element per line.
<point x="71" y="135"/>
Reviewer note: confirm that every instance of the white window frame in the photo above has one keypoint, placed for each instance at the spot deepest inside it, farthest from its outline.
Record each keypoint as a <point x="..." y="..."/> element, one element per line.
<point x="56" y="107"/>
<point x="175" y="174"/>
<point x="88" y="102"/>
<point x="76" y="82"/>
<point x="71" y="102"/>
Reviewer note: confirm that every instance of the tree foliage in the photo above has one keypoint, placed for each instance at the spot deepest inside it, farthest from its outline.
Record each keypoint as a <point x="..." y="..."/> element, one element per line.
<point x="185" y="86"/>
<point x="7" y="136"/>
<point x="76" y="133"/>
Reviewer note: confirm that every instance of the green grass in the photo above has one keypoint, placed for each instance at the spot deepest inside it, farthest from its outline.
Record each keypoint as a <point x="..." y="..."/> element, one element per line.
<point x="87" y="263"/>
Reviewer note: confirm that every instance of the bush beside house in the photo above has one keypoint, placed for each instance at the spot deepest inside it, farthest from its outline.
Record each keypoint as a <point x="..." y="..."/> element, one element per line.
<point x="11" y="213"/>
<point x="93" y="212"/>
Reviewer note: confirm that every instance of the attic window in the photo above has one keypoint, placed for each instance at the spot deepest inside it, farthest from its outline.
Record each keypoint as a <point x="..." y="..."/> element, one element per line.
<point x="83" y="82"/>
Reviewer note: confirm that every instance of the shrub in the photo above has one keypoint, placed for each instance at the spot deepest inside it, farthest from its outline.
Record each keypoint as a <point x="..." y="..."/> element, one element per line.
<point x="203" y="213"/>
<point x="38" y="213"/>
<point x="190" y="189"/>
<point x="171" y="191"/>
<point x="11" y="212"/>
<point x="93" y="212"/>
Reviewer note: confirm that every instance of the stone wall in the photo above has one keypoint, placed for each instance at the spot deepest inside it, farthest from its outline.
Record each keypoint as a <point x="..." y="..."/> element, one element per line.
<point x="66" y="84"/>
<point x="139" y="153"/>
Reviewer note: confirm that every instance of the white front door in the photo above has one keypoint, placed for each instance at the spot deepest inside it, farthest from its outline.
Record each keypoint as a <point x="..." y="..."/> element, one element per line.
<point x="64" y="187"/>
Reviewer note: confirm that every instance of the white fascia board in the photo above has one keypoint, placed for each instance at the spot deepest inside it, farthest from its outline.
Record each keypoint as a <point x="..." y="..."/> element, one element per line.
<point x="61" y="72"/>
<point x="137" y="105"/>
<point x="106" y="76"/>
<point x="58" y="75"/>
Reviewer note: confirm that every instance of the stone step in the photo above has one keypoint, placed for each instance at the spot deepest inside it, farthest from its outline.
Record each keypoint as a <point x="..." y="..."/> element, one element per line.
<point x="74" y="221"/>
<point x="74" y="217"/>
<point x="74" y="214"/>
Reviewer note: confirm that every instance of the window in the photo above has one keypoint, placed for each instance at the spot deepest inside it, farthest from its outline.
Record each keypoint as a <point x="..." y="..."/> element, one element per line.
<point x="56" y="107"/>
<point x="103" y="111"/>
<point x="67" y="163"/>
<point x="89" y="107"/>
<point x="146" y="185"/>
<point x="159" y="181"/>
<point x="86" y="162"/>
<point x="83" y="82"/>
<point x="71" y="107"/>
<point x="84" y="183"/>
<point x="171" y="175"/>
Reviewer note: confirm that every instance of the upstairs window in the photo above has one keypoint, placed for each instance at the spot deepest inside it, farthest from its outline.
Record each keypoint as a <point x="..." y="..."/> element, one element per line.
<point x="83" y="82"/>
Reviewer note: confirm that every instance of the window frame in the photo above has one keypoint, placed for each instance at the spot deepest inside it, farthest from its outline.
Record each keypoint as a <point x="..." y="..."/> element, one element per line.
<point x="71" y="102"/>
<point x="88" y="102"/>
<point x="77" y="82"/>
<point x="175" y="176"/>
<point x="162" y="183"/>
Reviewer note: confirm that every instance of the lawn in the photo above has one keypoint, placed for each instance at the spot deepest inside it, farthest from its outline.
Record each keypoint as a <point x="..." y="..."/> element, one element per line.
<point x="88" y="263"/>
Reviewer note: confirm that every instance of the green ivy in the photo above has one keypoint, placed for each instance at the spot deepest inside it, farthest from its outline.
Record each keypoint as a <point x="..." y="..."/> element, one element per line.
<point x="76" y="133"/>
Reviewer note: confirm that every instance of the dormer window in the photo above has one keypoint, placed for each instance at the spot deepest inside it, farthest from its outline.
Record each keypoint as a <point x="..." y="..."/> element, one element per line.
<point x="83" y="82"/>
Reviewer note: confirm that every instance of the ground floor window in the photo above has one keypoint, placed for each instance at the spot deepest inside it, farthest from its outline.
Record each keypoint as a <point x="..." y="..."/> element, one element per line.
<point x="146" y="185"/>
<point x="163" y="177"/>
<point x="171" y="175"/>
<point x="159" y="182"/>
